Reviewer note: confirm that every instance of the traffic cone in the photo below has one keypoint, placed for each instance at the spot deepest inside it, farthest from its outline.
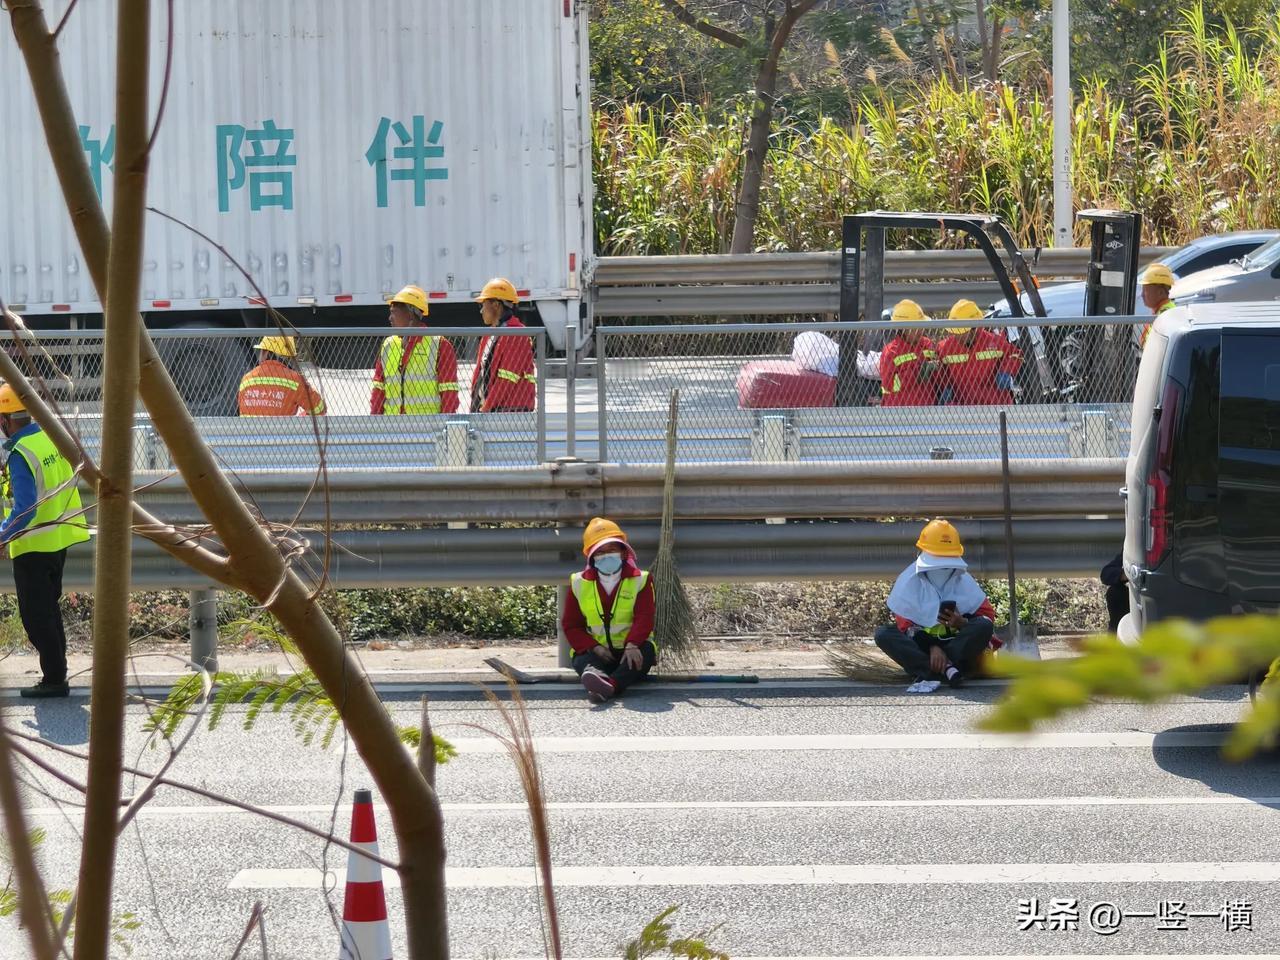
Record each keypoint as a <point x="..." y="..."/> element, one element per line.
<point x="365" y="933"/>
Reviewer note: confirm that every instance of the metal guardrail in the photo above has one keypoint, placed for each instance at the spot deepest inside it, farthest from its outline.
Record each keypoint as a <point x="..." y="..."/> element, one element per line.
<point x="709" y="552"/>
<point x="573" y="492"/>
<point x="804" y="283"/>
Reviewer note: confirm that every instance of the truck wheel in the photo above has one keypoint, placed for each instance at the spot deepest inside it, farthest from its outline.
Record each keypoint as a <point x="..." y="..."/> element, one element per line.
<point x="207" y="371"/>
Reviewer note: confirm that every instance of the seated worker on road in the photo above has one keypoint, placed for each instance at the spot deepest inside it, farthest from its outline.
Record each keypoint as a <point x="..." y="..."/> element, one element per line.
<point x="608" y="615"/>
<point x="908" y="363"/>
<point x="978" y="365"/>
<point x="275" y="388"/>
<point x="504" y="378"/>
<point x="1117" y="585"/>
<point x="944" y="620"/>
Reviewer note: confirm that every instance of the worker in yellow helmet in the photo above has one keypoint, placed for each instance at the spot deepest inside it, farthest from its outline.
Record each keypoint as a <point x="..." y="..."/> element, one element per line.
<point x="1156" y="282"/>
<point x="275" y="388"/>
<point x="504" y="377"/>
<point x="978" y="363"/>
<point x="415" y="373"/>
<point x="943" y="620"/>
<point x="609" y="614"/>
<point x="45" y="520"/>
<point x="908" y="362"/>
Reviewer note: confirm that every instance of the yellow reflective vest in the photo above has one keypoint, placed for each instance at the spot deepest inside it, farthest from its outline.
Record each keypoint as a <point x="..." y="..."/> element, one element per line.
<point x="413" y="388"/>
<point x="614" y="634"/>
<point x="59" y="518"/>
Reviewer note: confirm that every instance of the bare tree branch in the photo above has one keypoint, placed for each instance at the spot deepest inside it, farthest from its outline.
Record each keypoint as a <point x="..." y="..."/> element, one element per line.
<point x="32" y="898"/>
<point x="281" y="818"/>
<point x="681" y="13"/>
<point x="57" y="32"/>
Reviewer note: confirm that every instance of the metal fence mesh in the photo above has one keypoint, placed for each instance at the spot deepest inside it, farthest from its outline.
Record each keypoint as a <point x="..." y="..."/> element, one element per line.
<point x="330" y="372"/>
<point x="749" y="393"/>
<point x="776" y="393"/>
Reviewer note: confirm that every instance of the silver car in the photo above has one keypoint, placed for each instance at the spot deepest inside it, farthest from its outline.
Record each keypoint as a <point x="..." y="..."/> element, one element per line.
<point x="1253" y="277"/>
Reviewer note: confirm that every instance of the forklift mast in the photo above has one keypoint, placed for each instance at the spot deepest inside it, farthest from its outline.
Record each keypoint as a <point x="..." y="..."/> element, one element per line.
<point x="862" y="253"/>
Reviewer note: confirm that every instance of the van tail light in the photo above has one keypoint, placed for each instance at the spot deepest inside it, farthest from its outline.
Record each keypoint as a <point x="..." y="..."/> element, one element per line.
<point x="1159" y="480"/>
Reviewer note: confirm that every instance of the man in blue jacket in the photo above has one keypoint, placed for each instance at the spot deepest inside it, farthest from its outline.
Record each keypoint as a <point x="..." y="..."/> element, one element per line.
<point x="45" y="520"/>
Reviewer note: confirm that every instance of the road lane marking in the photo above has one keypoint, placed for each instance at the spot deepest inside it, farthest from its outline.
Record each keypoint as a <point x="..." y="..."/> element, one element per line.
<point x="1217" y="800"/>
<point x="803" y="875"/>
<point x="1077" y="740"/>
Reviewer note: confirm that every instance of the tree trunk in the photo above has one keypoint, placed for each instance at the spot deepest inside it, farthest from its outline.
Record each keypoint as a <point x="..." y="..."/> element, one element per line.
<point x="747" y="209"/>
<point x="257" y="563"/>
<point x="113" y="548"/>
<point x="983" y="38"/>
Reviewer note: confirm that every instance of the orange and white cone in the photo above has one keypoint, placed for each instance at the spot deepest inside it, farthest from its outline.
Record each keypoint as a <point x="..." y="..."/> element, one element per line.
<point x="365" y="933"/>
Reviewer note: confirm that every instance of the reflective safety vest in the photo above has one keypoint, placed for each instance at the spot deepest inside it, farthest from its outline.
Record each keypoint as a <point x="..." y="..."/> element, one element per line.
<point x="59" y="519"/>
<point x="614" y="634"/>
<point x="411" y="388"/>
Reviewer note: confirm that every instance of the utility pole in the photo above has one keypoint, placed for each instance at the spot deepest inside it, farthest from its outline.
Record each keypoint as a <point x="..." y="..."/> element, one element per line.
<point x="1062" y="204"/>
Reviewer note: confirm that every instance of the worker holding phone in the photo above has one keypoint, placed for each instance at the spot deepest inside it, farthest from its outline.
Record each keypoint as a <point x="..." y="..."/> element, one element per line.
<point x="931" y="638"/>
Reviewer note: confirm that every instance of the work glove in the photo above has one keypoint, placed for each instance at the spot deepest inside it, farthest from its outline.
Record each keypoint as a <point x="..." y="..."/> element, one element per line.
<point x="928" y="370"/>
<point x="947" y="395"/>
<point x="1004" y="381"/>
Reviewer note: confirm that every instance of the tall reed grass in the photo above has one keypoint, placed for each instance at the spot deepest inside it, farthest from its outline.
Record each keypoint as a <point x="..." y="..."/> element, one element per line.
<point x="1196" y="149"/>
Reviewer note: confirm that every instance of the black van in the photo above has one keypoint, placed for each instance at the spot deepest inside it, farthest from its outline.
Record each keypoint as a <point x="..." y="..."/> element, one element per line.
<point x="1202" y="518"/>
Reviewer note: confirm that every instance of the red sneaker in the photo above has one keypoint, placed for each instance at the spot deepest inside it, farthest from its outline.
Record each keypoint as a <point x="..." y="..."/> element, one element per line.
<point x="598" y="685"/>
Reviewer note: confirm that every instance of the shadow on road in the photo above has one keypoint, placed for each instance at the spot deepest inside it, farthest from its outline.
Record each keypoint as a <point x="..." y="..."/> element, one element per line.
<point x="1257" y="778"/>
<point x="65" y="722"/>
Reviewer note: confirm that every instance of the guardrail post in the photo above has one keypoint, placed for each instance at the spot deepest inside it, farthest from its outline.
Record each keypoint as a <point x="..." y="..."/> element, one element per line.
<point x="203" y="620"/>
<point x="570" y="386"/>
<point x="602" y="428"/>
<point x="564" y="654"/>
<point x="453" y="449"/>
<point x="540" y="417"/>
<point x="771" y="439"/>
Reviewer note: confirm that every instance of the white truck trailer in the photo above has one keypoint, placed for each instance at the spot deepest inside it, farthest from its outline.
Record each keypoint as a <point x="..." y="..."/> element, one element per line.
<point x="337" y="150"/>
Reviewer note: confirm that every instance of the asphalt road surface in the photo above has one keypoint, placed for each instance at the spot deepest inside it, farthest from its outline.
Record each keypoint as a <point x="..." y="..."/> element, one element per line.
<point x="801" y="819"/>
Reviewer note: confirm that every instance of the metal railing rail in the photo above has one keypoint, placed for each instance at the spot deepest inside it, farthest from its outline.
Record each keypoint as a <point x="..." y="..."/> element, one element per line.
<point x="709" y="552"/>
<point x="804" y="283"/>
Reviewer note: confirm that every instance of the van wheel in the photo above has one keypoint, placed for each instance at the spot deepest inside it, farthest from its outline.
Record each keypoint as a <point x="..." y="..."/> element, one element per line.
<point x="207" y="371"/>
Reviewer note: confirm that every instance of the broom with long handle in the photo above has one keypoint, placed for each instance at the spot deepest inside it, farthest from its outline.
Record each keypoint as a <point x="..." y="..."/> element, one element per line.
<point x="673" y="627"/>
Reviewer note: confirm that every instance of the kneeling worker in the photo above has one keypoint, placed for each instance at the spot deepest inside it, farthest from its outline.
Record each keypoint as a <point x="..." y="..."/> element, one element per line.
<point x="608" y="615"/>
<point x="46" y="519"/>
<point x="944" y="620"/>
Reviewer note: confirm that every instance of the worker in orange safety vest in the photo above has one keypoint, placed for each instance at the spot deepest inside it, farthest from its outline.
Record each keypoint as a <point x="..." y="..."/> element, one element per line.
<point x="275" y="388"/>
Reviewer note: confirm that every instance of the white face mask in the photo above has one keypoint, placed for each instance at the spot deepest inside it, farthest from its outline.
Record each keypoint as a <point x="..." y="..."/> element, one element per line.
<point x="938" y="578"/>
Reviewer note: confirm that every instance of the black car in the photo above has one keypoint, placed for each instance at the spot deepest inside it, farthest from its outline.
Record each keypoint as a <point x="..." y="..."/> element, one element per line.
<point x="1202" y="519"/>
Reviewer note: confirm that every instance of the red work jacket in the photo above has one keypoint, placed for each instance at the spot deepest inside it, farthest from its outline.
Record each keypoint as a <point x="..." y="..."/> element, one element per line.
<point x="504" y="377"/>
<point x="970" y="369"/>
<point x="901" y="365"/>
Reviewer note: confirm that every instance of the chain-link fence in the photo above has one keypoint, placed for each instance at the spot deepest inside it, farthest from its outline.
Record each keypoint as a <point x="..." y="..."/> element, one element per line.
<point x="388" y="398"/>
<point x="830" y="391"/>
<point x="765" y="392"/>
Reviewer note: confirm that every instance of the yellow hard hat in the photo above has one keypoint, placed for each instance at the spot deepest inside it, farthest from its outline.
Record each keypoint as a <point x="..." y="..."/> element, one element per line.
<point x="411" y="296"/>
<point x="280" y="346"/>
<point x="963" y="310"/>
<point x="599" y="530"/>
<point x="499" y="288"/>
<point x="908" y="310"/>
<point x="941" y="539"/>
<point x="1158" y="274"/>
<point x="9" y="401"/>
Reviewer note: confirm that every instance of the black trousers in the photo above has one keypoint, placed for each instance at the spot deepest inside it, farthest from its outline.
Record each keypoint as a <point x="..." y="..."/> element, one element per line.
<point x="1117" y="604"/>
<point x="623" y="676"/>
<point x="912" y="653"/>
<point x="37" y="577"/>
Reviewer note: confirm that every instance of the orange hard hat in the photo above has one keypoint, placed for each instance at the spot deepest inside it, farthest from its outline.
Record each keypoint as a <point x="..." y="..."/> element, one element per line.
<point x="598" y="531"/>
